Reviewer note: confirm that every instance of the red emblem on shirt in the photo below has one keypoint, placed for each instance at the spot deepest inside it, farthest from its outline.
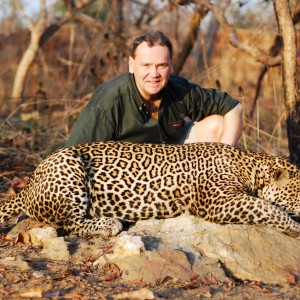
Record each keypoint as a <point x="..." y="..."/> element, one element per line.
<point x="177" y="124"/>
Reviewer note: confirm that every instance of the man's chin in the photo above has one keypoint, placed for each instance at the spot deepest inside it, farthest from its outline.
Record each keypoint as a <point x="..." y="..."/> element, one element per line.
<point x="154" y="90"/>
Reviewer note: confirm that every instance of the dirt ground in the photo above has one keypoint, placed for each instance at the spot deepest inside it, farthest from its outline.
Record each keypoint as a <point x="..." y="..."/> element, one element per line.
<point x="49" y="279"/>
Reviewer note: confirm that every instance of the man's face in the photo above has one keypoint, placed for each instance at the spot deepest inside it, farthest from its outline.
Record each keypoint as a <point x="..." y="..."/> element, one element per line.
<point x="152" y="67"/>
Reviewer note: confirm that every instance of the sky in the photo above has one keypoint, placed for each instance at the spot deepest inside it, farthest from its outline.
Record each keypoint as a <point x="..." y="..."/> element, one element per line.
<point x="31" y="7"/>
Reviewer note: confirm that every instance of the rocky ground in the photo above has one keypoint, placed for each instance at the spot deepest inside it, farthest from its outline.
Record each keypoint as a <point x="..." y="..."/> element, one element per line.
<point x="37" y="263"/>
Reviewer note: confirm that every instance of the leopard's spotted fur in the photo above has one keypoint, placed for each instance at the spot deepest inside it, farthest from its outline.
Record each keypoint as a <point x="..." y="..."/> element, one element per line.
<point x="87" y="188"/>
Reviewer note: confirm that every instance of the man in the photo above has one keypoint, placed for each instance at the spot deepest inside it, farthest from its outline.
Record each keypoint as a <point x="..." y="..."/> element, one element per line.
<point x="149" y="105"/>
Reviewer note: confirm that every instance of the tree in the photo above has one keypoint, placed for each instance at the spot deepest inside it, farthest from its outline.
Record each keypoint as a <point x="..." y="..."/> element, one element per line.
<point x="40" y="32"/>
<point x="290" y="79"/>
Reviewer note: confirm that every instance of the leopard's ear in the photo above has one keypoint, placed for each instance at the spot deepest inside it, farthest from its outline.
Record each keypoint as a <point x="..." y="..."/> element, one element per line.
<point x="280" y="174"/>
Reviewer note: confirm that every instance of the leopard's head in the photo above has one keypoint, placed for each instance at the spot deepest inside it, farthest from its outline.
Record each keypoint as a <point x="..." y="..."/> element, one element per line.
<point x="283" y="189"/>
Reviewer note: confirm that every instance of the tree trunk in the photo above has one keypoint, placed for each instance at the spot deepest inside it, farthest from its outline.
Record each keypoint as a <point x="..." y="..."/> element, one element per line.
<point x="290" y="81"/>
<point x="188" y="45"/>
<point x="24" y="66"/>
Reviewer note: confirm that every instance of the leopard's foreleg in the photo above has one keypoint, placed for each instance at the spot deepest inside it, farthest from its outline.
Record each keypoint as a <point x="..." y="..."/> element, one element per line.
<point x="245" y="209"/>
<point x="102" y="226"/>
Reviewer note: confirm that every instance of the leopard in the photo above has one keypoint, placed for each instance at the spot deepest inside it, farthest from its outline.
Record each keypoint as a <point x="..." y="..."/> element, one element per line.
<point x="94" y="189"/>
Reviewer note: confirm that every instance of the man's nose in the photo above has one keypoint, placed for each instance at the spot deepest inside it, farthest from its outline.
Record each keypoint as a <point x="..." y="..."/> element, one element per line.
<point x="154" y="71"/>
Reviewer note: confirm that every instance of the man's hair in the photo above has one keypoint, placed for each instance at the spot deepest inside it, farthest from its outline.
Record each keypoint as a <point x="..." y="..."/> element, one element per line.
<point x="156" y="38"/>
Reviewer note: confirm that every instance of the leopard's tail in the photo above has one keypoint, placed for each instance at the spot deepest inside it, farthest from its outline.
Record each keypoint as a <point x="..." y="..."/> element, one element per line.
<point x="12" y="207"/>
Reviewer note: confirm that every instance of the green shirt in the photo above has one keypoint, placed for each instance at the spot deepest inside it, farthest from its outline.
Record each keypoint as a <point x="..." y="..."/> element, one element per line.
<point x="116" y="112"/>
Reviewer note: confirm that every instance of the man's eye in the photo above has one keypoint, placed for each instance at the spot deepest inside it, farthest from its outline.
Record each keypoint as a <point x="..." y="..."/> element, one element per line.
<point x="161" y="67"/>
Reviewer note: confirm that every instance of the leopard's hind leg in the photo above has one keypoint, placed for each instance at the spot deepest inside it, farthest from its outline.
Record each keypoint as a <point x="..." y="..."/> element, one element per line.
<point x="12" y="207"/>
<point x="76" y="218"/>
<point x="73" y="205"/>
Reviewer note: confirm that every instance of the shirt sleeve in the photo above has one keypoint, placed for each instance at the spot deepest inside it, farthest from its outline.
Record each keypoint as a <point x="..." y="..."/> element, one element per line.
<point x="92" y="125"/>
<point x="206" y="102"/>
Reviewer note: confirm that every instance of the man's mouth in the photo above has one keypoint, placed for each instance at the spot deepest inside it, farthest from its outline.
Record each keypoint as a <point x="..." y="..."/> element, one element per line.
<point x="154" y="82"/>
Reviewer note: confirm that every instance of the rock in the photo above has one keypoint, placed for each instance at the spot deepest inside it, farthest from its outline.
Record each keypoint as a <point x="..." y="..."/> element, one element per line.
<point x="14" y="262"/>
<point x="56" y="249"/>
<point x="135" y="263"/>
<point x="121" y="246"/>
<point x="247" y="252"/>
<point x="155" y="265"/>
<point x="42" y="236"/>
<point x="23" y="225"/>
<point x="82" y="249"/>
<point x="127" y="245"/>
<point x="53" y="247"/>
<point x="260" y="254"/>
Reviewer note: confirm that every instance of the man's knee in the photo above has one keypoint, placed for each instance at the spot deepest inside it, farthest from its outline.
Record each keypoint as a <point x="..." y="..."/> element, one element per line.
<point x="209" y="129"/>
<point x="212" y="124"/>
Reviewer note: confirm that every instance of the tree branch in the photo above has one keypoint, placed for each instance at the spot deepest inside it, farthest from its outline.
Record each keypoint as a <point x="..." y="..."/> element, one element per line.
<point x="257" y="53"/>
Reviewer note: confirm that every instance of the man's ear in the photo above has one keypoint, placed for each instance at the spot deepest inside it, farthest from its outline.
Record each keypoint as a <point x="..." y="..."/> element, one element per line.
<point x="130" y="63"/>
